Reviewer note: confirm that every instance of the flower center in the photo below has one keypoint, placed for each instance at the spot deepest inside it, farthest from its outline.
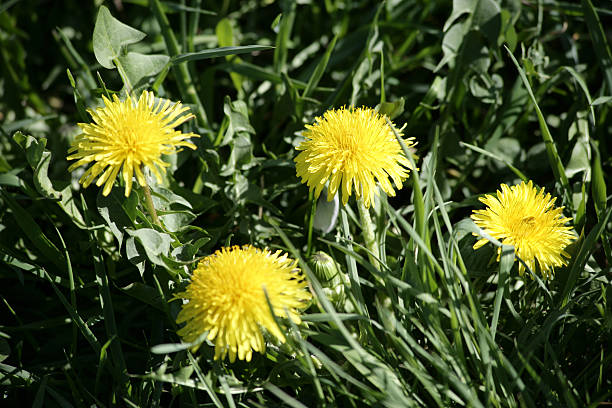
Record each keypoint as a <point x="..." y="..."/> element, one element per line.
<point x="348" y="148"/>
<point x="131" y="139"/>
<point x="523" y="226"/>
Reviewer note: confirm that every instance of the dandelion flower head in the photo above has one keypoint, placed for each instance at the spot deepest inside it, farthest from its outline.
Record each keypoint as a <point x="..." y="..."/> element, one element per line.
<point x="127" y="135"/>
<point x="527" y="219"/>
<point x="226" y="298"/>
<point x="352" y="148"/>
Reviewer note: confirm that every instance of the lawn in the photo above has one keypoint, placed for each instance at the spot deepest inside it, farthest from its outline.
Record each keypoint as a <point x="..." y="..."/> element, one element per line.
<point x="305" y="203"/>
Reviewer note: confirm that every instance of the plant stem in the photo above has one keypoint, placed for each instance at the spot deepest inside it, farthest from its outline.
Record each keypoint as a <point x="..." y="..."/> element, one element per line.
<point x="368" y="233"/>
<point x="149" y="205"/>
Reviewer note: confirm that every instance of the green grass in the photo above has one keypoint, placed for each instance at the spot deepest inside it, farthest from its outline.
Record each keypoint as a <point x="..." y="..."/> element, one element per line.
<point x="496" y="92"/>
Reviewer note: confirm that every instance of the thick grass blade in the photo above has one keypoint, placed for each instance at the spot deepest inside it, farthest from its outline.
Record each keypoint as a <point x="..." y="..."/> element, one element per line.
<point x="484" y="152"/>
<point x="600" y="43"/>
<point x="283" y="37"/>
<point x="505" y="264"/>
<point x="551" y="149"/>
<point x="84" y="329"/>
<point x="218" y="52"/>
<point x="282" y="395"/>
<point x="319" y="70"/>
<point x="183" y="76"/>
<point x="34" y="233"/>
<point x="106" y="303"/>
<point x="580" y="260"/>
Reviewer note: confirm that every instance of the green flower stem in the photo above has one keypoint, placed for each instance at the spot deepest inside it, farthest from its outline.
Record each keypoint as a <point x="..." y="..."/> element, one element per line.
<point x="368" y="233"/>
<point x="183" y="77"/>
<point x="149" y="205"/>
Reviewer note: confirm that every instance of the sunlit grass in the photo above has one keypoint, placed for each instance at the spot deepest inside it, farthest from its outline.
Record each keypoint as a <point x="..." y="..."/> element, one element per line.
<point x="404" y="312"/>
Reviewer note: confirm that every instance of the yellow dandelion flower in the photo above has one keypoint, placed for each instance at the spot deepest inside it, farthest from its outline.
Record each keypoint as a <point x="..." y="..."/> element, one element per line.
<point x="127" y="135"/>
<point x="226" y="298"/>
<point x="354" y="148"/>
<point x="527" y="219"/>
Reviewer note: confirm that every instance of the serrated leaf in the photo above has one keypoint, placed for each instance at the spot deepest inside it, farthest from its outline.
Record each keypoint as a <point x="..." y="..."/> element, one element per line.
<point x="241" y="155"/>
<point x="110" y="36"/>
<point x="39" y="159"/>
<point x="238" y="116"/>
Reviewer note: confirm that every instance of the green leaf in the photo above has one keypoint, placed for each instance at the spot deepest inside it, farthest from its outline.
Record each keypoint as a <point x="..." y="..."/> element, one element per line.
<point x="154" y="243"/>
<point x="226" y="38"/>
<point x="145" y="294"/>
<point x="33" y="232"/>
<point x="10" y="178"/>
<point x="166" y="198"/>
<point x="319" y="70"/>
<point x="600" y="43"/>
<point x="241" y="155"/>
<point x="392" y="109"/>
<point x="487" y="19"/>
<point x="110" y="36"/>
<point x="225" y="33"/>
<point x="598" y="185"/>
<point x="5" y="349"/>
<point x="373" y="369"/>
<point x="118" y="211"/>
<point x="581" y="153"/>
<point x="218" y="52"/>
<point x="135" y="255"/>
<point x="238" y="115"/>
<point x="32" y="147"/>
<point x="169" y="348"/>
<point x="505" y="264"/>
<point x="467" y="36"/>
<point x="460" y="7"/>
<point x="39" y="159"/>
<point x="326" y="214"/>
<point x="601" y="100"/>
<point x="139" y="66"/>
<point x="175" y="220"/>
<point x="551" y="149"/>
<point x="579" y="261"/>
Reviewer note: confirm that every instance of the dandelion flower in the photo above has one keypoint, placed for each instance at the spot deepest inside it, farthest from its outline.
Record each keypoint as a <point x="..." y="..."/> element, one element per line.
<point x="227" y="299"/>
<point x="127" y="135"/>
<point x="527" y="219"/>
<point x="352" y="148"/>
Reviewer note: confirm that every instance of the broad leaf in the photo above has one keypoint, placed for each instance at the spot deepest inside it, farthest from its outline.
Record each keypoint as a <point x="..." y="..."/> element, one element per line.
<point x="110" y="36"/>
